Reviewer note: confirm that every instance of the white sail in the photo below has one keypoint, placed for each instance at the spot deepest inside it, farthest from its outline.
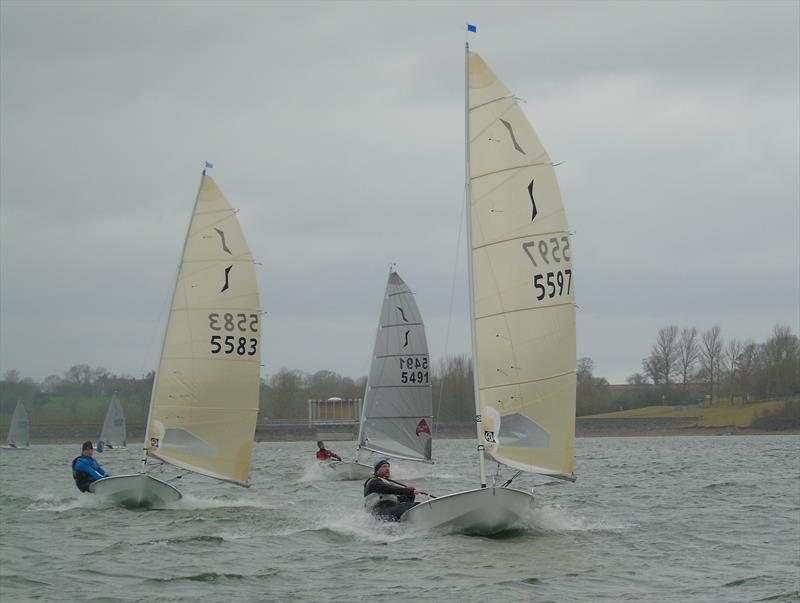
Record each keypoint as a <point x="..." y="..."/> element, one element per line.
<point x="523" y="286"/>
<point x="19" y="428"/>
<point x="205" y="398"/>
<point x="114" y="432"/>
<point x="397" y="412"/>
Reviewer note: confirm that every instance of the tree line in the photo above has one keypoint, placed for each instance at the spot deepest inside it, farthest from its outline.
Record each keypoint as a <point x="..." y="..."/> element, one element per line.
<point x="684" y="366"/>
<point x="81" y="394"/>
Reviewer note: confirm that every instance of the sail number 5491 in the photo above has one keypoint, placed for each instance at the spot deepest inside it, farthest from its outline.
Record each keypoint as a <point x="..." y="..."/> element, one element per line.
<point x="412" y="374"/>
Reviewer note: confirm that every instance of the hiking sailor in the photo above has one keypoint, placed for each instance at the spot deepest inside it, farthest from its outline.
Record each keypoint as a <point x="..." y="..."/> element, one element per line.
<point x="86" y="469"/>
<point x="385" y="498"/>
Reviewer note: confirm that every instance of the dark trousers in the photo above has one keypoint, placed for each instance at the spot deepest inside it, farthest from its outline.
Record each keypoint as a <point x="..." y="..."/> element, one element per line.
<point x="392" y="512"/>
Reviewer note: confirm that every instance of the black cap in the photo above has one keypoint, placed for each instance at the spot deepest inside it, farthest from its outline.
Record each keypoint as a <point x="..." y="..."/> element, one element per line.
<point x="87" y="445"/>
<point x="320" y="444"/>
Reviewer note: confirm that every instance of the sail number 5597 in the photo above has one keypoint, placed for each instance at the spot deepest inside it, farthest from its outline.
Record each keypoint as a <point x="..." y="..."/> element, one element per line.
<point x="553" y="283"/>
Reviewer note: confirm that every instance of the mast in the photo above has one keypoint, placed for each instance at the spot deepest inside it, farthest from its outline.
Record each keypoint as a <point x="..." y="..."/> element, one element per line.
<point x="468" y="201"/>
<point x="166" y="327"/>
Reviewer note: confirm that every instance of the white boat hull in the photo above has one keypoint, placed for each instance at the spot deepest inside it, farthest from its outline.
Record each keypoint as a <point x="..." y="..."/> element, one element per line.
<point x="480" y="511"/>
<point x="350" y="470"/>
<point x="138" y="490"/>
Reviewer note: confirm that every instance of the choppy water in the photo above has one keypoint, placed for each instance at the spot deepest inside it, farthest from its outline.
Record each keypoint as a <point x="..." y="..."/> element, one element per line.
<point x="649" y="519"/>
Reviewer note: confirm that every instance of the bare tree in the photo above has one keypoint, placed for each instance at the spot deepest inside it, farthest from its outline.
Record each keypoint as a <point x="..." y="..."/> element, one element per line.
<point x="637" y="379"/>
<point x="710" y="355"/>
<point x="286" y="396"/>
<point x="12" y="376"/>
<point x="731" y="360"/>
<point x="747" y="366"/>
<point x="688" y="354"/>
<point x="662" y="363"/>
<point x="781" y="355"/>
<point x="592" y="393"/>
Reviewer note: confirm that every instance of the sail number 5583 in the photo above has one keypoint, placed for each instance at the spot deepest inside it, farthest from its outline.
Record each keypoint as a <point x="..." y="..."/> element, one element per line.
<point x="553" y="283"/>
<point x="230" y="322"/>
<point x="232" y="345"/>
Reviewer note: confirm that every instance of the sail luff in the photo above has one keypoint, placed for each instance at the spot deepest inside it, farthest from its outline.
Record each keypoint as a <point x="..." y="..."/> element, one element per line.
<point x="468" y="213"/>
<point x="166" y="328"/>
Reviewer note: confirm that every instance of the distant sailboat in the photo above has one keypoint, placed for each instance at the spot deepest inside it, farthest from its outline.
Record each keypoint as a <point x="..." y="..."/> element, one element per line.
<point x="204" y="403"/>
<point x="522" y="307"/>
<point x="398" y="410"/>
<point x="114" y="434"/>
<point x="19" y="436"/>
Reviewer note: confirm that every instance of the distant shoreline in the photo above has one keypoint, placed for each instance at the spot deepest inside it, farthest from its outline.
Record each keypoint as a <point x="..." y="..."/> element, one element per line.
<point x="75" y="434"/>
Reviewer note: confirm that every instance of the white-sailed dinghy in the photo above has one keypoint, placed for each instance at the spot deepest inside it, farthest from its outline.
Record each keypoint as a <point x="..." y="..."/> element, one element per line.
<point x="522" y="307"/>
<point x="398" y="410"/>
<point x="204" y="403"/>
<point x="19" y="433"/>
<point x="114" y="434"/>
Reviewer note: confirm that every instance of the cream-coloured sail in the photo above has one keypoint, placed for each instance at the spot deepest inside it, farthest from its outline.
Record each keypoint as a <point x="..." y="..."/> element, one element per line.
<point x="114" y="432"/>
<point x="398" y="408"/>
<point x="523" y="286"/>
<point x="205" y="400"/>
<point x="19" y="435"/>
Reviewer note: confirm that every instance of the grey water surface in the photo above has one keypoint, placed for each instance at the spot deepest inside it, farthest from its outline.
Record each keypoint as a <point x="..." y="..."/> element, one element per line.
<point x="704" y="518"/>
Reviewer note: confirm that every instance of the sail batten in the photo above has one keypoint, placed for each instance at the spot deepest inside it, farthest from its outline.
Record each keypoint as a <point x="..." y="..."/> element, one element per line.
<point x="522" y="286"/>
<point x="205" y="397"/>
<point x="398" y="408"/>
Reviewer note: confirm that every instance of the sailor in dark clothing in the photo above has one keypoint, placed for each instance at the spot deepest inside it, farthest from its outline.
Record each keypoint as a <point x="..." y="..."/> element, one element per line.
<point x="85" y="469"/>
<point x="385" y="498"/>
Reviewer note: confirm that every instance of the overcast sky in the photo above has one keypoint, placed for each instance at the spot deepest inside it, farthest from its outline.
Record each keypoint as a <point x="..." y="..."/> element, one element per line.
<point x="337" y="130"/>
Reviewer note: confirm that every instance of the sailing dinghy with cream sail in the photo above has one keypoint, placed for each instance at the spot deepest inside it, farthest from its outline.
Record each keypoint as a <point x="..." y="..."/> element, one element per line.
<point x="19" y="434"/>
<point x="398" y="410"/>
<point x="204" y="402"/>
<point x="114" y="435"/>
<point x="522" y="306"/>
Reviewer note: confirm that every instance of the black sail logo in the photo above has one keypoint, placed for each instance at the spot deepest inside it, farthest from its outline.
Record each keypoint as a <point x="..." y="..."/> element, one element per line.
<point x="533" y="201"/>
<point x="222" y="239"/>
<point x="227" y="284"/>
<point x="513" y="138"/>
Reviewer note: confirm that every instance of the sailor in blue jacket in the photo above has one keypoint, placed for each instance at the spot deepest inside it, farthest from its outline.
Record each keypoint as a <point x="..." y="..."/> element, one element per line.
<point x="85" y="469"/>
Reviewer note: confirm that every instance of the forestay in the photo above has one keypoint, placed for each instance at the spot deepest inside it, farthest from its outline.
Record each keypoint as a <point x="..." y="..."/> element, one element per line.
<point x="205" y="399"/>
<point x="114" y="432"/>
<point x="523" y="286"/>
<point x="397" y="411"/>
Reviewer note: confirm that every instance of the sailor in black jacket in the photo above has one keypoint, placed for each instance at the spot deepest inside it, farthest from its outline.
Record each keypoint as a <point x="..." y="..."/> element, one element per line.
<point x="385" y="498"/>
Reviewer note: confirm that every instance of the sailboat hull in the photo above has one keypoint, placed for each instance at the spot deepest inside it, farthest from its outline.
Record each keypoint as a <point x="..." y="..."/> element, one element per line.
<point x="136" y="491"/>
<point x="480" y="511"/>
<point x="350" y="470"/>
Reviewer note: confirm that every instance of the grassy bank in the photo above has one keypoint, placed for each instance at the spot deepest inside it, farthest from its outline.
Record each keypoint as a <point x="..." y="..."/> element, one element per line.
<point x="722" y="413"/>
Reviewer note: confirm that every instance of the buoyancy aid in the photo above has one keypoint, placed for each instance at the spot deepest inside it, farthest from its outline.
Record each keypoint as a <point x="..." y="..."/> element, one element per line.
<point x="82" y="479"/>
<point x="373" y="499"/>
